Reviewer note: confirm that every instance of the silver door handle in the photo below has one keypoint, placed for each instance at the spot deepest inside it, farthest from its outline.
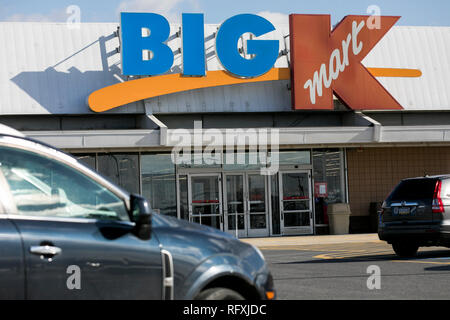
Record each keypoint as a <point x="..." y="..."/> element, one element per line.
<point x="45" y="250"/>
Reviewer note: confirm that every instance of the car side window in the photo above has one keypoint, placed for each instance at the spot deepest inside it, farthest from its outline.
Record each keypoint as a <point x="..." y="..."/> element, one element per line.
<point x="44" y="187"/>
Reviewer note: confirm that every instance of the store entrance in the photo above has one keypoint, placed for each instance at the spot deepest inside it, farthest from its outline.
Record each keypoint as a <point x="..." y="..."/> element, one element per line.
<point x="245" y="205"/>
<point x="236" y="203"/>
<point x="296" y="202"/>
<point x="239" y="202"/>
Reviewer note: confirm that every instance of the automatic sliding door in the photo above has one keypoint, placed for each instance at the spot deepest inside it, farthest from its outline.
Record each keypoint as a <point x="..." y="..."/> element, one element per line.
<point x="245" y="203"/>
<point x="245" y="197"/>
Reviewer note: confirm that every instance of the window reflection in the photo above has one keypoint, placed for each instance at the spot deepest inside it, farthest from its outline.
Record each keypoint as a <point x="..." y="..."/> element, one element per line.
<point x="292" y="157"/>
<point x="122" y="169"/>
<point x="45" y="187"/>
<point x="87" y="159"/>
<point x="328" y="173"/>
<point x="184" y="202"/>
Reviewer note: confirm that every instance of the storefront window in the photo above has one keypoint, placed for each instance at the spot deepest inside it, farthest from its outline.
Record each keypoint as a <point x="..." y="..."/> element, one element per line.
<point x="328" y="186"/>
<point x="275" y="204"/>
<point x="242" y="161"/>
<point x="159" y="183"/>
<point x="87" y="159"/>
<point x="199" y="160"/>
<point x="291" y="157"/>
<point x="122" y="169"/>
<point x="184" y="201"/>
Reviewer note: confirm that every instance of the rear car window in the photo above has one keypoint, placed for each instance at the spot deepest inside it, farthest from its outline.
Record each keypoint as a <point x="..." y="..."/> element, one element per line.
<point x="413" y="189"/>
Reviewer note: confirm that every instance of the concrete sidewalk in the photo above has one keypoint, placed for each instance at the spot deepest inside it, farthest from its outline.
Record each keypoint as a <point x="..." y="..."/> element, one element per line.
<point x="309" y="240"/>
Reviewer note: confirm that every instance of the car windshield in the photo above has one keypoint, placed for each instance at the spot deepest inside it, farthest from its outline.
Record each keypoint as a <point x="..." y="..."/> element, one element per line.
<point x="413" y="189"/>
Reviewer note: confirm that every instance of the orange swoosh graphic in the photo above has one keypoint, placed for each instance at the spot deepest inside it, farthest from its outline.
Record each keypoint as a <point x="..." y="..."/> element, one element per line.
<point x="395" y="72"/>
<point x="130" y="91"/>
<point x="139" y="89"/>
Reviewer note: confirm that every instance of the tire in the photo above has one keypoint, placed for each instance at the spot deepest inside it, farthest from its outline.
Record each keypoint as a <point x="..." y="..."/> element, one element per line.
<point x="405" y="250"/>
<point x="219" y="294"/>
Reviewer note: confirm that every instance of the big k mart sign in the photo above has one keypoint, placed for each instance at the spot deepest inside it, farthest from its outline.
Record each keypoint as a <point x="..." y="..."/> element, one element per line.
<point x="324" y="62"/>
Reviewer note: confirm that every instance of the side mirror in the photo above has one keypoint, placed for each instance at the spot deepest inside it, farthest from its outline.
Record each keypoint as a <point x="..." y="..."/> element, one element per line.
<point x="142" y="216"/>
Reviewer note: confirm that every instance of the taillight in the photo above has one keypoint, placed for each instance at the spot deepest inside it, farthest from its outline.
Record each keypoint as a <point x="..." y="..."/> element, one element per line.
<point x="437" y="206"/>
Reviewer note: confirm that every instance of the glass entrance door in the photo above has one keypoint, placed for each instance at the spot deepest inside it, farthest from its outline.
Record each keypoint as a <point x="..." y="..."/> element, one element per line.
<point x="257" y="206"/>
<point x="205" y="200"/>
<point x="245" y="197"/>
<point x="234" y="205"/>
<point x="296" y="202"/>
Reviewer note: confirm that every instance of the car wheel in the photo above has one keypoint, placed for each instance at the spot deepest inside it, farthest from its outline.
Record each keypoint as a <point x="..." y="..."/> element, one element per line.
<point x="405" y="250"/>
<point x="219" y="294"/>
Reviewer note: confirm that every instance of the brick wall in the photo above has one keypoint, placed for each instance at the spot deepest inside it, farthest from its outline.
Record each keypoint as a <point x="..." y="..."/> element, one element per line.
<point x="374" y="172"/>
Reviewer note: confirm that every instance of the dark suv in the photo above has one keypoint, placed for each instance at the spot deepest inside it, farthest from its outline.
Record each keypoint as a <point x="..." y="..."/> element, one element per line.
<point x="417" y="213"/>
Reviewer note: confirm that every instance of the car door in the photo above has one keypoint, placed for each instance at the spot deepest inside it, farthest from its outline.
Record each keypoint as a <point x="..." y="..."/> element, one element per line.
<point x="12" y="271"/>
<point x="77" y="235"/>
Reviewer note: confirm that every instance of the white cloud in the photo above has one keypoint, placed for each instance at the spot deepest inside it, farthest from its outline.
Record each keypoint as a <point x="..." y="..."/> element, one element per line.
<point x="170" y="9"/>
<point x="275" y="17"/>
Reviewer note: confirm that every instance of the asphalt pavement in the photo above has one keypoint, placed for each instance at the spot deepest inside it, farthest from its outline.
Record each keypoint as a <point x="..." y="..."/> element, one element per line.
<point x="353" y="267"/>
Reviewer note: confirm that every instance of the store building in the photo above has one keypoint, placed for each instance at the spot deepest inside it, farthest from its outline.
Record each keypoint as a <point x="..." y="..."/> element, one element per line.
<point x="343" y="154"/>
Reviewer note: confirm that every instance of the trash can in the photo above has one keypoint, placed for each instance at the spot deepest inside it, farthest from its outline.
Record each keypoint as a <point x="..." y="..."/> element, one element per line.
<point x="339" y="218"/>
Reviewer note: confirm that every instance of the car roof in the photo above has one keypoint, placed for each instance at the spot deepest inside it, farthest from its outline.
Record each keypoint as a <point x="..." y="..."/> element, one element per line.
<point x="439" y="176"/>
<point x="8" y="131"/>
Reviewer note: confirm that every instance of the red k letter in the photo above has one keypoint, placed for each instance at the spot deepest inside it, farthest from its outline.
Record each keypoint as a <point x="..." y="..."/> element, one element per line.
<point x="324" y="62"/>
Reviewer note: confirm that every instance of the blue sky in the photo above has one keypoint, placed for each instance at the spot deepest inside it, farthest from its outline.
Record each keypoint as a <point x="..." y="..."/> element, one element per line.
<point x="413" y="12"/>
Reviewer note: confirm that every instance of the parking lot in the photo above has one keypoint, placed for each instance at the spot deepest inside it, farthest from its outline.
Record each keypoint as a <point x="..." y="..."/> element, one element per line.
<point x="339" y="270"/>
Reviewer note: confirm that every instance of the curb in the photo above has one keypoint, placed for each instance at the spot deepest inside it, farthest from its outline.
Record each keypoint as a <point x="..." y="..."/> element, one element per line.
<point x="311" y="240"/>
